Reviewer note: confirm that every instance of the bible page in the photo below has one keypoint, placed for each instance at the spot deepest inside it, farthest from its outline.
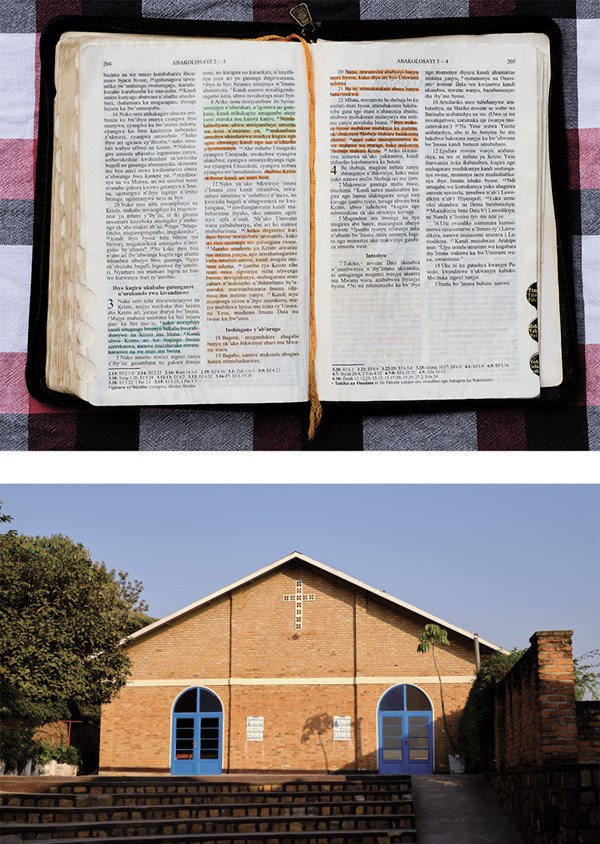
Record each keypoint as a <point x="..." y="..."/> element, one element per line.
<point x="429" y="208"/>
<point x="195" y="201"/>
<point x="551" y="369"/>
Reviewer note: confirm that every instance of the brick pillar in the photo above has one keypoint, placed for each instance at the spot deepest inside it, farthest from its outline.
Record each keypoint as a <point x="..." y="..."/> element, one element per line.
<point x="556" y="696"/>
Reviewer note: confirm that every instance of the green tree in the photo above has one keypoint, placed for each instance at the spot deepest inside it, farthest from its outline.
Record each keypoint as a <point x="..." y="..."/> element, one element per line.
<point x="130" y="593"/>
<point x="431" y="637"/>
<point x="62" y="618"/>
<point x="587" y="680"/>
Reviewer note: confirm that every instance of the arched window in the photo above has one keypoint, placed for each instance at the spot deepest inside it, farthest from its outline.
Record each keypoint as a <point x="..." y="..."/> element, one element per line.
<point x="410" y="698"/>
<point x="197" y="700"/>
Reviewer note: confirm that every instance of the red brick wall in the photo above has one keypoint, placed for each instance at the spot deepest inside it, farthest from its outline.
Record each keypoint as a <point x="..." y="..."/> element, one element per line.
<point x="552" y="803"/>
<point x="588" y="730"/>
<point x="547" y="746"/>
<point x="249" y="634"/>
<point x="535" y="705"/>
<point x="55" y="733"/>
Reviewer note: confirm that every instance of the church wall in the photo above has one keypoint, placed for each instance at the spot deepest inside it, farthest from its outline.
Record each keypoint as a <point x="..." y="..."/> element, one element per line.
<point x="197" y="644"/>
<point x="387" y="642"/>
<point x="135" y="731"/>
<point x="264" y="645"/>
<point x="265" y="642"/>
<point x="298" y="728"/>
<point x="298" y="731"/>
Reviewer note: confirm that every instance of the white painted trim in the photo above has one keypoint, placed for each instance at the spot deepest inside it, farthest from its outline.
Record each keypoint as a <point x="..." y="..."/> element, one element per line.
<point x="322" y="567"/>
<point x="300" y="681"/>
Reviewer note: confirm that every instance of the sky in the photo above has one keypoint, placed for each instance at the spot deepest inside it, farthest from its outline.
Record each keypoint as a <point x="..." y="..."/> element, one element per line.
<point x="499" y="560"/>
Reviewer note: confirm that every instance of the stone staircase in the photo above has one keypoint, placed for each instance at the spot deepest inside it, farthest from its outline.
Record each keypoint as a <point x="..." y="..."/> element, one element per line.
<point x="328" y="810"/>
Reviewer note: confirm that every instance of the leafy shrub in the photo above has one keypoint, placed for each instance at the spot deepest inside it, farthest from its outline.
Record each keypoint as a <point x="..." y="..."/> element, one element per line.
<point x="476" y="727"/>
<point x="17" y="746"/>
<point x="57" y="752"/>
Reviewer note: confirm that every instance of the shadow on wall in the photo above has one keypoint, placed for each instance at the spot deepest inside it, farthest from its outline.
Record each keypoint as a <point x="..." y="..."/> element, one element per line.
<point x="318" y="725"/>
<point x="320" y="728"/>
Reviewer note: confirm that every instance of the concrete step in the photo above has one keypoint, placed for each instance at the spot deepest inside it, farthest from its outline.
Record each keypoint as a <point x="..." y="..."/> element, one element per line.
<point x="381" y="836"/>
<point x="22" y="814"/>
<point x="221" y="825"/>
<point x="167" y="810"/>
<point x="181" y="785"/>
<point x="52" y="800"/>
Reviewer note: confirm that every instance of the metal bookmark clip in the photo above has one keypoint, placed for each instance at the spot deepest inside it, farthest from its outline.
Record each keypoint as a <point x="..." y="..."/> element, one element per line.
<point x="301" y="14"/>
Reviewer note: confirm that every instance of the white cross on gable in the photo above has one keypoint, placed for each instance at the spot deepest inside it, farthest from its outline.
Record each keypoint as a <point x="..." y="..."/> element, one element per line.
<point x="298" y="597"/>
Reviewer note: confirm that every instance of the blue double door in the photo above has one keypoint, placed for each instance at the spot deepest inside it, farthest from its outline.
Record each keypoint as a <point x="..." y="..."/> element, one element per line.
<point x="405" y="728"/>
<point x="197" y="740"/>
<point x="197" y="744"/>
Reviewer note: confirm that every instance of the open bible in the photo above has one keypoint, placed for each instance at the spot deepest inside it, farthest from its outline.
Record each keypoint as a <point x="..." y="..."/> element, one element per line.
<point x="214" y="235"/>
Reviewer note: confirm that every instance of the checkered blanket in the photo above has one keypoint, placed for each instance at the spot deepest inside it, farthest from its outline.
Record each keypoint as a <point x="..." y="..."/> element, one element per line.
<point x="25" y="423"/>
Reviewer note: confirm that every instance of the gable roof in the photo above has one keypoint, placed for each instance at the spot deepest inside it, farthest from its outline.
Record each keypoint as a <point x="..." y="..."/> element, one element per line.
<point x="322" y="568"/>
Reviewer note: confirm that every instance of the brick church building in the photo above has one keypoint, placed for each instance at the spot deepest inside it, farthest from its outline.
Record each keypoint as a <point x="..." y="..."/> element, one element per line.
<point x="296" y="667"/>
